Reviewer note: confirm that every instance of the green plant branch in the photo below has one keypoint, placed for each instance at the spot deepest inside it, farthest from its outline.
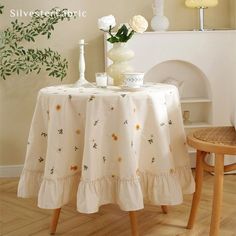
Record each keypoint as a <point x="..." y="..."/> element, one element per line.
<point x="14" y="58"/>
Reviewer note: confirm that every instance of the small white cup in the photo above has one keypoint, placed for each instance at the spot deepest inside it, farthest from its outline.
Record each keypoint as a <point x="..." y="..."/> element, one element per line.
<point x="133" y="79"/>
<point x="101" y="80"/>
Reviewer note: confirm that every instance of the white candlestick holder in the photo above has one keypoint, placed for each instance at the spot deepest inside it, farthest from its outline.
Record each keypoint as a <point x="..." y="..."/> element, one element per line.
<point x="82" y="81"/>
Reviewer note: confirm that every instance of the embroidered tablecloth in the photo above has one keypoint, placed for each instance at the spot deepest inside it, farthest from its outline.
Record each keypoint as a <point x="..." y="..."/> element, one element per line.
<point x="107" y="146"/>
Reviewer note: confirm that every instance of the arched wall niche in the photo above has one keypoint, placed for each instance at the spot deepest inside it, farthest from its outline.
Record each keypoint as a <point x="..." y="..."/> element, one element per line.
<point x="195" y="82"/>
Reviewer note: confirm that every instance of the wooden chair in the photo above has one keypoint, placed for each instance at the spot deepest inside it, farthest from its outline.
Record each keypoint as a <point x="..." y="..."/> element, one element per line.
<point x="132" y="216"/>
<point x="220" y="141"/>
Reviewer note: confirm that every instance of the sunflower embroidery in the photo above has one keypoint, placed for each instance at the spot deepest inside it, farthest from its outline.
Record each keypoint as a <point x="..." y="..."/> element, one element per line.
<point x="114" y="137"/>
<point x="59" y="149"/>
<point x="74" y="168"/>
<point x="58" y="107"/>
<point x="137" y="127"/>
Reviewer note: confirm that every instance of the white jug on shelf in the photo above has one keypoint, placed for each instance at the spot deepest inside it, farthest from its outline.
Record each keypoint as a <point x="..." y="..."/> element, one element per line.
<point x="159" y="22"/>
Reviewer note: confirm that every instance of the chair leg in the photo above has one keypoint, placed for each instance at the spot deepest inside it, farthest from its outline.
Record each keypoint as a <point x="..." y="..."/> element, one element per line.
<point x="218" y="194"/>
<point x="164" y="209"/>
<point x="134" y="223"/>
<point x="197" y="195"/>
<point x="54" y="221"/>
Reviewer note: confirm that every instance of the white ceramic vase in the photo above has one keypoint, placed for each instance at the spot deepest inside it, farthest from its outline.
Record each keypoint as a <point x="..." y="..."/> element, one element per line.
<point x="159" y="22"/>
<point x="121" y="55"/>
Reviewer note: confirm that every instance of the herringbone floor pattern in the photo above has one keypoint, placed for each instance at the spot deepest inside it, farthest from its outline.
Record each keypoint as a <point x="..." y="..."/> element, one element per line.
<point x="21" y="217"/>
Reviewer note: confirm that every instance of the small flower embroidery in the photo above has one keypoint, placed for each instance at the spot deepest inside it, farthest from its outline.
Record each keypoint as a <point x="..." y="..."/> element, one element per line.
<point x="74" y="168"/>
<point x="112" y="108"/>
<point x="114" y="137"/>
<point x="119" y="159"/>
<point x="76" y="148"/>
<point x="60" y="131"/>
<point x="28" y="143"/>
<point x="85" y="167"/>
<point x="153" y="159"/>
<point x="77" y="131"/>
<point x="58" y="107"/>
<point x="52" y="171"/>
<point x="96" y="122"/>
<point x="95" y="146"/>
<point x="70" y="97"/>
<point x="170" y="122"/>
<point x="150" y="141"/>
<point x="91" y="98"/>
<point x="123" y="95"/>
<point x="40" y="159"/>
<point x="44" y="134"/>
<point x="137" y="127"/>
<point x="132" y="143"/>
<point x="113" y="176"/>
<point x="126" y="122"/>
<point x="104" y="159"/>
<point x="59" y="149"/>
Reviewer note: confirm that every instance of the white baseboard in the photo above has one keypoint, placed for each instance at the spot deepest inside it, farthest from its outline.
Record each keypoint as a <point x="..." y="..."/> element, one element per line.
<point x="10" y="171"/>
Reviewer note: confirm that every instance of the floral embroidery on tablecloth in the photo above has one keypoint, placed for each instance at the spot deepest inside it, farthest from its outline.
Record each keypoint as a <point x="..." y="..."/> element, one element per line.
<point x="40" y="159"/>
<point x="114" y="137"/>
<point x="58" y="107"/>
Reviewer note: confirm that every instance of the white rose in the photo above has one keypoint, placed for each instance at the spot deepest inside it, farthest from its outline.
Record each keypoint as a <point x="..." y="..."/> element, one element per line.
<point x="139" y="24"/>
<point x="105" y="22"/>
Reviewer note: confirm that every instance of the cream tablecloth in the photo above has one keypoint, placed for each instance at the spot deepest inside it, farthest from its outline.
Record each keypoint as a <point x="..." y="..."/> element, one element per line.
<point x="127" y="146"/>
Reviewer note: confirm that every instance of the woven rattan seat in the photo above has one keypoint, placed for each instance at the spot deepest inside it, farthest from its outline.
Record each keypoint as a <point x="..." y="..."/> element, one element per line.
<point x="219" y="141"/>
<point x="220" y="135"/>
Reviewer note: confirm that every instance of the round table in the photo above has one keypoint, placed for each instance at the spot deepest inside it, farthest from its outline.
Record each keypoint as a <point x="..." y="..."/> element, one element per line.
<point x="107" y="146"/>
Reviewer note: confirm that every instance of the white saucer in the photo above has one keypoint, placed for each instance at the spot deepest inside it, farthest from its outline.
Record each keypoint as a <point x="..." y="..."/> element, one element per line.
<point x="127" y="88"/>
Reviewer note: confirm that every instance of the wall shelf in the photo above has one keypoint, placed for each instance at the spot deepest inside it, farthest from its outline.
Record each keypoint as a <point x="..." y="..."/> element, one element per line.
<point x="195" y="100"/>
<point x="197" y="125"/>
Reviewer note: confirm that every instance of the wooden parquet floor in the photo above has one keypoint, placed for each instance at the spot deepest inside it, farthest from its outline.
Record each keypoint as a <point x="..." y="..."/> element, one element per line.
<point x="22" y="217"/>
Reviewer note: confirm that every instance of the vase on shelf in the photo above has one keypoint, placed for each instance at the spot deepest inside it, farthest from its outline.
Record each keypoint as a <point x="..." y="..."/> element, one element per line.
<point x="159" y="22"/>
<point x="121" y="55"/>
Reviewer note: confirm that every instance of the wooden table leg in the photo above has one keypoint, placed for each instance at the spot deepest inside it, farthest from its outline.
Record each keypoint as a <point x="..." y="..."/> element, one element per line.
<point x="54" y="221"/>
<point x="164" y="209"/>
<point x="197" y="195"/>
<point x="218" y="193"/>
<point x="133" y="222"/>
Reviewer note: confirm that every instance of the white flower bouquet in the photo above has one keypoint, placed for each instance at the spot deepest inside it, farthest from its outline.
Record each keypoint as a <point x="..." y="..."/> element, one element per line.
<point x="136" y="24"/>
